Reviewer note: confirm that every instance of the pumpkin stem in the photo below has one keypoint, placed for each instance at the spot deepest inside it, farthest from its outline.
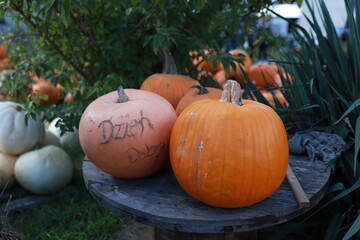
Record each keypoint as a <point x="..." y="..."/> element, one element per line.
<point x="232" y="93"/>
<point x="18" y="108"/>
<point x="202" y="89"/>
<point x="122" y="97"/>
<point x="169" y="66"/>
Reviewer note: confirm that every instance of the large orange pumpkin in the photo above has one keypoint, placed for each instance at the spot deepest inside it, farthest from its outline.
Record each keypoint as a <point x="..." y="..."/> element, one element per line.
<point x="197" y="92"/>
<point x="169" y="84"/>
<point x="230" y="152"/>
<point x="262" y="74"/>
<point x="127" y="133"/>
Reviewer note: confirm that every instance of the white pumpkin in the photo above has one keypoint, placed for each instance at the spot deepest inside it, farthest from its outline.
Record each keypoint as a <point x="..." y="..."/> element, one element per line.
<point x="50" y="139"/>
<point x="7" y="177"/>
<point x="68" y="139"/>
<point x="17" y="137"/>
<point x="45" y="170"/>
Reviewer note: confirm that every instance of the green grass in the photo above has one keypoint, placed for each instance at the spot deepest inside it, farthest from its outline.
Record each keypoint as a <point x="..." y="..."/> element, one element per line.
<point x="74" y="215"/>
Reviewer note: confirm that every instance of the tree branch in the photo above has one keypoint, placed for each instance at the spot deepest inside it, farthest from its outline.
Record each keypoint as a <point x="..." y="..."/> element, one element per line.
<point x="28" y="19"/>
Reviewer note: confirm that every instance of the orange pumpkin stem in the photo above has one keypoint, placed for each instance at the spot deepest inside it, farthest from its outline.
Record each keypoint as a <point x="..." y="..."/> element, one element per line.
<point x="169" y="66"/>
<point x="232" y="93"/>
<point x="202" y="89"/>
<point x="122" y="97"/>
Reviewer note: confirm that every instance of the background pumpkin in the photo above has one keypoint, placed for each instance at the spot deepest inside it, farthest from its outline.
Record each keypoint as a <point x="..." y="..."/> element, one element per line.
<point x="247" y="62"/>
<point x="17" y="137"/>
<point x="168" y="84"/>
<point x="126" y="133"/>
<point x="42" y="86"/>
<point x="196" y="93"/>
<point x="229" y="153"/>
<point x="263" y="74"/>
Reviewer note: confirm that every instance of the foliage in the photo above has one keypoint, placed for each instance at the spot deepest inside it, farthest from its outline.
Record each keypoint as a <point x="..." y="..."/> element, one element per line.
<point x="325" y="96"/>
<point x="103" y="44"/>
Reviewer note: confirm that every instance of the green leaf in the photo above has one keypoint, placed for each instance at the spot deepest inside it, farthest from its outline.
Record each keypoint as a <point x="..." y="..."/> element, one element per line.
<point x="357" y="142"/>
<point x="353" y="229"/>
<point x="65" y="13"/>
<point x="334" y="226"/>
<point x="352" y="107"/>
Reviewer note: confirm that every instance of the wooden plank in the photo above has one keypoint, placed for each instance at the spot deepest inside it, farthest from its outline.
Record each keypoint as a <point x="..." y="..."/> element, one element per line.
<point x="296" y="188"/>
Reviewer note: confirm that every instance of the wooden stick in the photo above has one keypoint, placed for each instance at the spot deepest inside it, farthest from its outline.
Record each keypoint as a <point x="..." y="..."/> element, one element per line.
<point x="296" y="188"/>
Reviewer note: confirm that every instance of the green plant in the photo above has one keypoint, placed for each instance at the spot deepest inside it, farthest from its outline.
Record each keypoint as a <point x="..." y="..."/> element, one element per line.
<point x="325" y="96"/>
<point x="109" y="43"/>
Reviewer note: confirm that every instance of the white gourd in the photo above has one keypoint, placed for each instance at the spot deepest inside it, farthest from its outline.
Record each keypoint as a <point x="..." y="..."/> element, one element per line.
<point x="68" y="139"/>
<point x="50" y="139"/>
<point x="45" y="170"/>
<point x="17" y="137"/>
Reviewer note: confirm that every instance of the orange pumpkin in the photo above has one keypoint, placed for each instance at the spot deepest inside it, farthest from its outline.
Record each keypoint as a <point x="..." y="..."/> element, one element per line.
<point x="4" y="64"/>
<point x="271" y="95"/>
<point x="230" y="152"/>
<point x="220" y="76"/>
<point x="200" y="92"/>
<point x="203" y="64"/>
<point x="42" y="86"/>
<point x="238" y="74"/>
<point x="3" y="52"/>
<point x="168" y="84"/>
<point x="126" y="133"/>
<point x="262" y="74"/>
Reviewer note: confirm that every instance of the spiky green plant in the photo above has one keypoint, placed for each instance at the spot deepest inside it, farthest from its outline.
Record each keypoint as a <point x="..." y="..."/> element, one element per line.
<point x="325" y="96"/>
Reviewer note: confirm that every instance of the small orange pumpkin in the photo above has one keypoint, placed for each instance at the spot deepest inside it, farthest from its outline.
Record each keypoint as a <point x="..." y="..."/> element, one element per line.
<point x="55" y="94"/>
<point x="230" y="152"/>
<point x="203" y="64"/>
<point x="169" y="84"/>
<point x="3" y="52"/>
<point x="126" y="133"/>
<point x="263" y="74"/>
<point x="271" y="95"/>
<point x="200" y="92"/>
<point x="245" y="57"/>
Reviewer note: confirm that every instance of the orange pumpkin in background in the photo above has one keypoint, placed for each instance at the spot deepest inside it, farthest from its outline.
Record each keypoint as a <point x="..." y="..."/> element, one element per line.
<point x="126" y="133"/>
<point x="262" y="74"/>
<point x="197" y="93"/>
<point x="3" y="52"/>
<point x="203" y="64"/>
<point x="247" y="62"/>
<point x="271" y="95"/>
<point x="230" y="152"/>
<point x="42" y="86"/>
<point x="168" y="84"/>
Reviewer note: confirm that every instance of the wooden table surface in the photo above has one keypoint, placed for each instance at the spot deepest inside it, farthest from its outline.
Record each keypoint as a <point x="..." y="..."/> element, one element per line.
<point x="159" y="201"/>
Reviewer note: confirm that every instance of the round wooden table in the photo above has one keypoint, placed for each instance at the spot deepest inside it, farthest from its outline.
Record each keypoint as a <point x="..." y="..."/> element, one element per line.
<point x="159" y="202"/>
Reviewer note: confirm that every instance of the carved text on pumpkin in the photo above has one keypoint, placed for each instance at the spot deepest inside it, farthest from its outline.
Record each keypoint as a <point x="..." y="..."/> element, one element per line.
<point x="154" y="152"/>
<point x="126" y="129"/>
